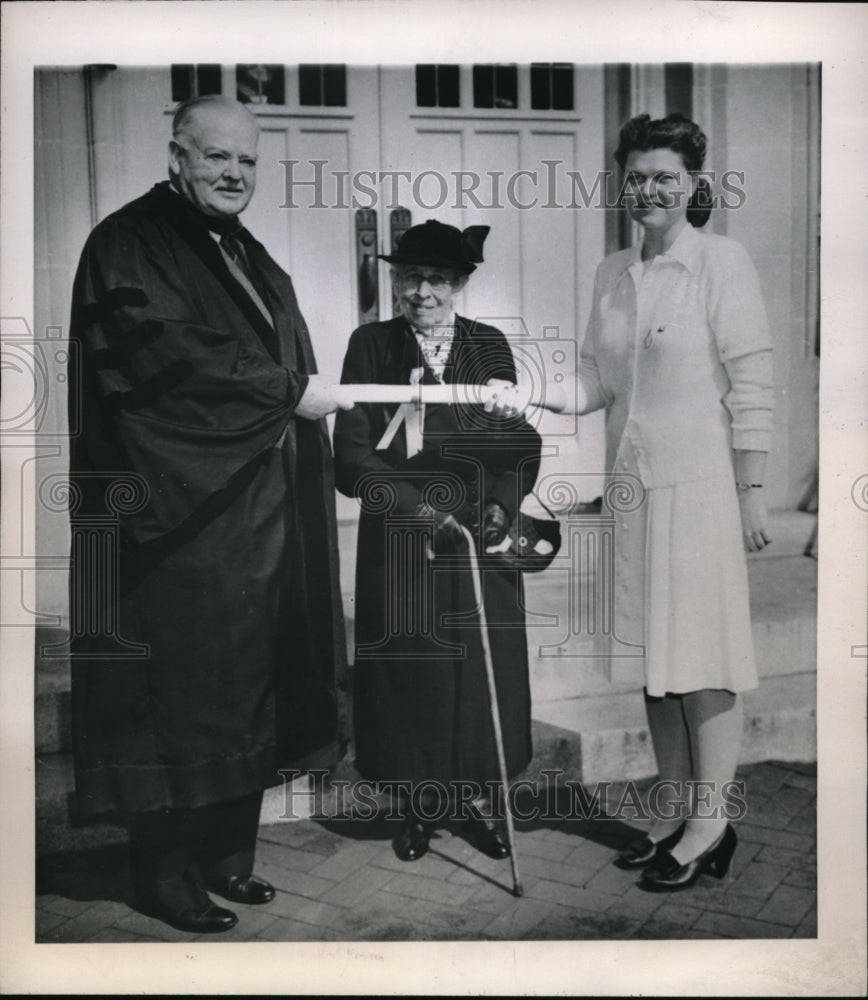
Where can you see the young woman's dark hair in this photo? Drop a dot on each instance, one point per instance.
(679, 134)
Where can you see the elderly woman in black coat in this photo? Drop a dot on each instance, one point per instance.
(422, 717)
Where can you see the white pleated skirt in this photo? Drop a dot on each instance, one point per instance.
(681, 587)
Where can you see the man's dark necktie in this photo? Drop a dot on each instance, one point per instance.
(237, 252)
(235, 249)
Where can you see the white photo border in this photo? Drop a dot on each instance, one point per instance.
(397, 32)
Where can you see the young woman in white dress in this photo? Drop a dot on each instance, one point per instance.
(678, 352)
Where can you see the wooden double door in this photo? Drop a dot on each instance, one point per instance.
(334, 177)
(336, 184)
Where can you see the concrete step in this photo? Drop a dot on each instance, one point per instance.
(562, 666)
(614, 744)
(585, 739)
(588, 725)
(60, 830)
(58, 827)
(568, 663)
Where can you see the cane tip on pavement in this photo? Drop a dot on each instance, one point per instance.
(518, 891)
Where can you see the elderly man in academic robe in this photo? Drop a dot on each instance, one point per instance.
(198, 396)
(422, 719)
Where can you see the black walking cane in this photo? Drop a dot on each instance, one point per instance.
(495, 711)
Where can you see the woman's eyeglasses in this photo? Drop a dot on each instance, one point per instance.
(437, 281)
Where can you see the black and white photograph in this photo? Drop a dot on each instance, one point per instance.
(434, 498)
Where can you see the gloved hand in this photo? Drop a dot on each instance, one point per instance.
(495, 524)
(447, 530)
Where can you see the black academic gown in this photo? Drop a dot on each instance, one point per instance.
(223, 507)
(421, 708)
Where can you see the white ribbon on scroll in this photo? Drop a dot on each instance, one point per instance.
(412, 415)
(413, 398)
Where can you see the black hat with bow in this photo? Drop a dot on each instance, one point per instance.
(434, 244)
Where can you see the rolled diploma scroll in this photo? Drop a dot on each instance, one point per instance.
(459, 392)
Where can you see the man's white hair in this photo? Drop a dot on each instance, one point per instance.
(186, 111)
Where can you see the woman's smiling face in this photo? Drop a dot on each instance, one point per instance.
(657, 188)
(425, 293)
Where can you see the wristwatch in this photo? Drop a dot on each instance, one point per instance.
(744, 487)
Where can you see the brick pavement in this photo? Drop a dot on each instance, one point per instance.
(340, 881)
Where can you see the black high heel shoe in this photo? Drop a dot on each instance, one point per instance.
(665, 874)
(642, 852)
(413, 841)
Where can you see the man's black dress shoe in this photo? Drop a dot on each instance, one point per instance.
(665, 874)
(241, 888)
(486, 836)
(183, 904)
(412, 842)
(643, 851)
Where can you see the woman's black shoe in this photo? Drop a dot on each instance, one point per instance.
(183, 904)
(412, 842)
(643, 851)
(665, 874)
(486, 836)
(242, 888)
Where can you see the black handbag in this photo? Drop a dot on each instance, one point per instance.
(533, 541)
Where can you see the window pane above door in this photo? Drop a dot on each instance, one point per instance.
(260, 84)
(551, 87)
(437, 86)
(322, 85)
(495, 86)
(191, 80)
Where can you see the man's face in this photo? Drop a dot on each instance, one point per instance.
(213, 162)
(425, 293)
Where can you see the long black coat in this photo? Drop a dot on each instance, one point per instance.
(420, 697)
(227, 572)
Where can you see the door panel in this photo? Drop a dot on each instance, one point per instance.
(494, 290)
(549, 272)
(314, 245)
